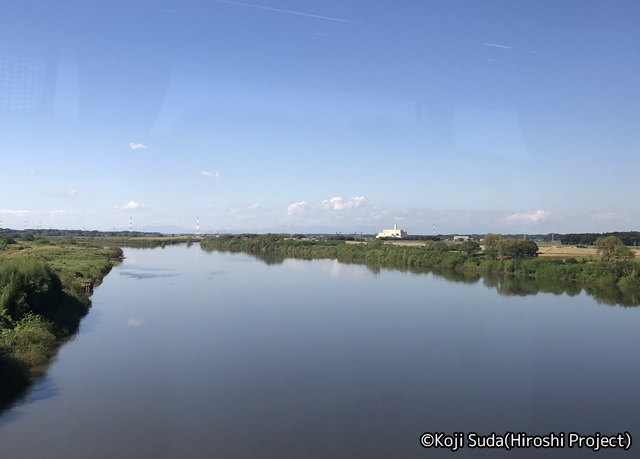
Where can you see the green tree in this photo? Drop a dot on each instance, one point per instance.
(440, 246)
(491, 252)
(491, 240)
(623, 252)
(611, 247)
(375, 242)
(470, 247)
(517, 248)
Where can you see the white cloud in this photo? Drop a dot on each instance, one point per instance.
(244, 208)
(71, 192)
(297, 207)
(16, 213)
(136, 146)
(332, 205)
(337, 203)
(529, 217)
(131, 205)
(210, 174)
(495, 45)
(60, 213)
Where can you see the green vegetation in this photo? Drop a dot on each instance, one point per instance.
(502, 257)
(611, 247)
(627, 237)
(42, 299)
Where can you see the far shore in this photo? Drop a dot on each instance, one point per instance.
(545, 249)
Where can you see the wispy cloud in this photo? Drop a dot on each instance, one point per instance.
(210, 174)
(495, 45)
(60, 213)
(243, 208)
(333, 206)
(16, 213)
(137, 146)
(134, 322)
(71, 192)
(529, 217)
(279, 10)
(297, 207)
(337, 203)
(131, 205)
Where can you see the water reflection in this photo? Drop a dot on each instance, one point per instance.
(135, 275)
(234, 358)
(504, 285)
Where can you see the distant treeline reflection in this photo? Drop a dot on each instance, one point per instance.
(505, 284)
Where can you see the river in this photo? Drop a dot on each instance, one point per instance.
(216, 355)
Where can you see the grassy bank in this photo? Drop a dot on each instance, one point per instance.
(142, 242)
(590, 273)
(42, 300)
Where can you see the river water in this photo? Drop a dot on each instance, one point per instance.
(216, 355)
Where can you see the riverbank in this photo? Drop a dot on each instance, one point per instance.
(44, 293)
(587, 271)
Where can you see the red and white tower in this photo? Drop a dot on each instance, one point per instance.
(197, 226)
(130, 226)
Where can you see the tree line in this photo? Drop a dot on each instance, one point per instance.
(501, 255)
(629, 238)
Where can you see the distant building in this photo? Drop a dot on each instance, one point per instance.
(460, 238)
(395, 232)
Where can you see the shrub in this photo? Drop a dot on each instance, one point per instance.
(31, 342)
(517, 248)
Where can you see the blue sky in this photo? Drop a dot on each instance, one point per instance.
(329, 115)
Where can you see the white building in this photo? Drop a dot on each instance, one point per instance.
(460, 238)
(395, 232)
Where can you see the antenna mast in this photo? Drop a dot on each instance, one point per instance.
(130, 226)
(197, 226)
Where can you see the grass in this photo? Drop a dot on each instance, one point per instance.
(41, 302)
